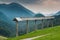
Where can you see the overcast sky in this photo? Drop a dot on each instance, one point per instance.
(43, 6)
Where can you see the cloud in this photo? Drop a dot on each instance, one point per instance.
(31, 1)
(57, 0)
(45, 6)
(24, 1)
(7, 1)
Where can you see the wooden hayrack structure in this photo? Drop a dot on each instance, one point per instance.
(18, 19)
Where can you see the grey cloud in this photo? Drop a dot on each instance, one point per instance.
(5, 0)
(24, 1)
(8, 0)
(57, 0)
(30, 1)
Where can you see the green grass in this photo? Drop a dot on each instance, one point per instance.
(55, 35)
(38, 32)
(3, 38)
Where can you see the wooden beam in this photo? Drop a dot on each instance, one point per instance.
(35, 25)
(39, 18)
(27, 27)
(42, 24)
(52, 22)
(16, 29)
(48, 22)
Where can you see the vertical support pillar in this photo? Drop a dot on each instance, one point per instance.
(42, 24)
(27, 27)
(48, 23)
(35, 25)
(16, 28)
(52, 22)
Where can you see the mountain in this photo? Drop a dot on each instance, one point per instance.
(6, 24)
(13, 10)
(39, 15)
(57, 14)
(39, 21)
(57, 18)
(8, 12)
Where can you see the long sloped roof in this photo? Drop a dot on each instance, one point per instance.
(39, 18)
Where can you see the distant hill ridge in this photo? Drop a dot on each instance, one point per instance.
(39, 15)
(15, 10)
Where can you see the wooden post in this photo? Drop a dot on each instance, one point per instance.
(48, 23)
(35, 26)
(27, 27)
(16, 29)
(42, 24)
(52, 22)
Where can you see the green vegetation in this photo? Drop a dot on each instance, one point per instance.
(52, 30)
(55, 35)
(4, 32)
(3, 38)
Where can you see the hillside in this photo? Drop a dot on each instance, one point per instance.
(13, 10)
(39, 15)
(8, 12)
(53, 30)
(6, 25)
(55, 35)
(57, 18)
